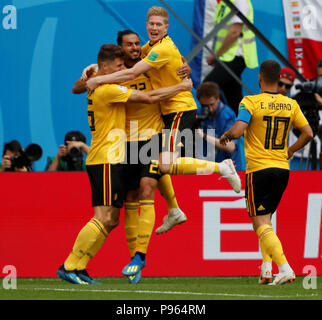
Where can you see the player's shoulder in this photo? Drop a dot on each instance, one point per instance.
(251, 102)
(165, 43)
(103, 89)
(169, 43)
(107, 89)
(285, 100)
(250, 99)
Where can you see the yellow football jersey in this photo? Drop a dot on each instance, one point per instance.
(165, 58)
(106, 118)
(267, 133)
(142, 120)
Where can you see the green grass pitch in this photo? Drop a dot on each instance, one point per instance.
(173, 288)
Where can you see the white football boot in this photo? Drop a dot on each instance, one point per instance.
(265, 277)
(174, 217)
(283, 277)
(228, 171)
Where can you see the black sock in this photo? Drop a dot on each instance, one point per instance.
(141, 255)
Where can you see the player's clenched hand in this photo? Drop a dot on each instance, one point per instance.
(289, 154)
(187, 84)
(88, 71)
(184, 71)
(223, 139)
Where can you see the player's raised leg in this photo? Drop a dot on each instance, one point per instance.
(175, 214)
(192, 166)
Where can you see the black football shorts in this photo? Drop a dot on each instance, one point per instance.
(264, 190)
(142, 161)
(178, 134)
(107, 183)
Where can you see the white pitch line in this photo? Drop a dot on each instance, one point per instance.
(169, 292)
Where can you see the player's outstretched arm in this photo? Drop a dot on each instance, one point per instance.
(119, 76)
(160, 94)
(235, 132)
(168, 92)
(305, 136)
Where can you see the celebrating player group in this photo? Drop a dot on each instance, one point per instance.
(142, 118)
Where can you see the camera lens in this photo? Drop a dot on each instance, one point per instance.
(75, 152)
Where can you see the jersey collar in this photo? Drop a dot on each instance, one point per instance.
(269, 92)
(151, 45)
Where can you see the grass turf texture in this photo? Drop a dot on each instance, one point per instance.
(174, 288)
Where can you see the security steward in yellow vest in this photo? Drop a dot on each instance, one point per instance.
(235, 46)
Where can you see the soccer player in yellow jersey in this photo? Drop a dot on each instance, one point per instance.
(143, 125)
(265, 120)
(161, 59)
(104, 162)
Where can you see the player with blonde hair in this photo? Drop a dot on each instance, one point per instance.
(161, 59)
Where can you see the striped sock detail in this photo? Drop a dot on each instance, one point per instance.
(131, 205)
(99, 226)
(265, 232)
(146, 202)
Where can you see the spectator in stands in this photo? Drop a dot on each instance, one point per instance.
(11, 150)
(286, 81)
(218, 118)
(235, 47)
(70, 156)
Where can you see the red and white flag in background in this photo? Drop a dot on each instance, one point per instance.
(304, 34)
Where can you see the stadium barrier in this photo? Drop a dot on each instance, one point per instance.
(41, 214)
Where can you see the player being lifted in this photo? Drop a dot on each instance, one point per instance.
(144, 176)
(265, 120)
(161, 59)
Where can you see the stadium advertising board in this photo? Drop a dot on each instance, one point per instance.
(41, 214)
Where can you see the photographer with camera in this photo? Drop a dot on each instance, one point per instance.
(16, 159)
(214, 119)
(309, 97)
(70, 156)
(11, 150)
